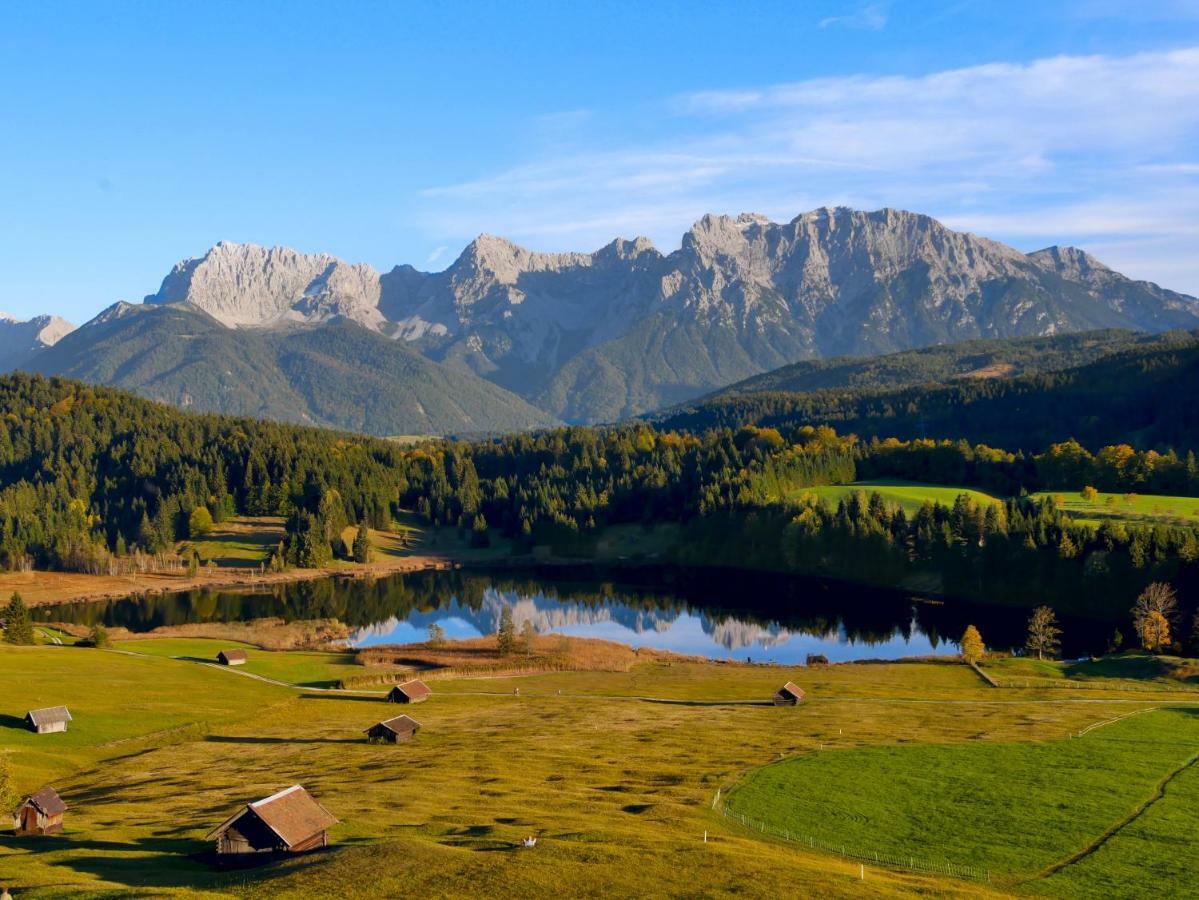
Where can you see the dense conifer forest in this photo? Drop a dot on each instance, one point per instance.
(92, 478)
(1142, 396)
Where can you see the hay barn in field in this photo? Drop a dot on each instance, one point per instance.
(290, 821)
(409, 692)
(231, 657)
(393, 731)
(40, 813)
(48, 720)
(788, 695)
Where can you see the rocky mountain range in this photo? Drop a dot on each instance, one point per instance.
(19, 341)
(598, 336)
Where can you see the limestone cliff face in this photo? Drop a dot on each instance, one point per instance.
(21, 340)
(595, 336)
(247, 285)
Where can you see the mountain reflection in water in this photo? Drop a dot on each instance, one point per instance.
(711, 613)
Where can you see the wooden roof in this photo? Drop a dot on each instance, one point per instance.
(48, 716)
(793, 689)
(47, 800)
(413, 690)
(398, 725)
(233, 654)
(292, 814)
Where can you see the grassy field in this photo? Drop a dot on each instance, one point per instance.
(906, 494)
(1014, 809)
(619, 789)
(1142, 509)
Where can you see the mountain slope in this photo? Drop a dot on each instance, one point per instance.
(984, 358)
(21, 340)
(338, 375)
(600, 336)
(1142, 395)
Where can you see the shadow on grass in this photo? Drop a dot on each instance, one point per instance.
(219, 739)
(7, 721)
(374, 698)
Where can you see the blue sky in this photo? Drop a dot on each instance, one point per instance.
(138, 134)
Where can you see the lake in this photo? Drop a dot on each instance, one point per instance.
(712, 613)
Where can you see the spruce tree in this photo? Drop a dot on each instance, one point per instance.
(505, 637)
(362, 544)
(18, 627)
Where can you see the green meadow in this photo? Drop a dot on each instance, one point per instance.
(617, 773)
(1142, 509)
(908, 495)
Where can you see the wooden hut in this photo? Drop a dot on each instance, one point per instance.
(393, 731)
(290, 821)
(409, 692)
(48, 720)
(231, 657)
(817, 659)
(40, 813)
(788, 695)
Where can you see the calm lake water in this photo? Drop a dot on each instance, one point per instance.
(716, 614)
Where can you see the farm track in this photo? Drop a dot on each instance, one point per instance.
(1097, 844)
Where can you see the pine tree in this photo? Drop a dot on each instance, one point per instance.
(362, 544)
(972, 645)
(18, 627)
(505, 637)
(527, 633)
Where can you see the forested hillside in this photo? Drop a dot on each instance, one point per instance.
(91, 478)
(1142, 396)
(339, 375)
(943, 363)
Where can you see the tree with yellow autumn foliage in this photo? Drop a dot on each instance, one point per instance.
(1155, 632)
(972, 645)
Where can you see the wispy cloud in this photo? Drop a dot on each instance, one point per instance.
(438, 253)
(1062, 149)
(872, 16)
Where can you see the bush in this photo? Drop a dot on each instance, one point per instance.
(199, 523)
(98, 637)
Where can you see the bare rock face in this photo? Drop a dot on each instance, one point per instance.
(596, 336)
(21, 340)
(243, 285)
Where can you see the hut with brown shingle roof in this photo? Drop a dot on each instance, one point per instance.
(48, 720)
(415, 691)
(788, 695)
(393, 731)
(290, 821)
(232, 657)
(40, 813)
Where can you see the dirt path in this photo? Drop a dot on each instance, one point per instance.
(1097, 844)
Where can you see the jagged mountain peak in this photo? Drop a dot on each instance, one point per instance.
(252, 285)
(21, 340)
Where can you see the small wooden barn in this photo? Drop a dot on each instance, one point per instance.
(231, 657)
(788, 695)
(290, 821)
(817, 659)
(415, 691)
(40, 813)
(48, 720)
(393, 731)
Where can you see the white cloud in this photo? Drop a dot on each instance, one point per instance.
(438, 253)
(1067, 149)
(872, 17)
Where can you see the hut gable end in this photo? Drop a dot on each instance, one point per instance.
(415, 691)
(51, 718)
(289, 820)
